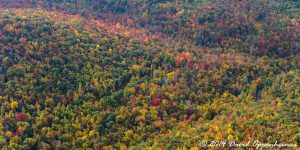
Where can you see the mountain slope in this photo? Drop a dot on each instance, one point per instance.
(73, 82)
(258, 28)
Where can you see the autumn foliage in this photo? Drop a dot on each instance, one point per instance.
(155, 101)
(148, 74)
(21, 117)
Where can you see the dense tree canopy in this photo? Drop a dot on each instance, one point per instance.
(148, 74)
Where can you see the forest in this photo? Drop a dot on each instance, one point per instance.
(148, 74)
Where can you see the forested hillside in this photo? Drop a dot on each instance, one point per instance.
(148, 74)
